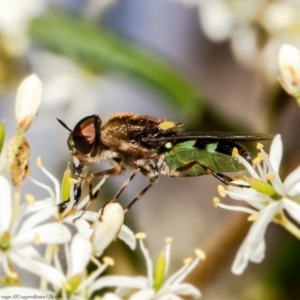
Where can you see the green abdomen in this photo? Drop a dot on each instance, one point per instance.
(207, 154)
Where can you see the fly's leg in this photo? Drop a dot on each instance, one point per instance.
(221, 177)
(106, 173)
(152, 181)
(122, 188)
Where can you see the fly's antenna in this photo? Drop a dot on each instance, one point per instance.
(64, 124)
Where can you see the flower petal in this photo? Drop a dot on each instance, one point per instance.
(275, 154)
(52, 233)
(119, 281)
(292, 208)
(292, 183)
(81, 249)
(145, 294)
(41, 269)
(111, 296)
(5, 204)
(38, 218)
(252, 243)
(127, 236)
(186, 289)
(169, 297)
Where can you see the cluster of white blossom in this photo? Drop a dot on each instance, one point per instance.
(270, 199)
(255, 28)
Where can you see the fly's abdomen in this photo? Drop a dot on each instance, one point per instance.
(215, 155)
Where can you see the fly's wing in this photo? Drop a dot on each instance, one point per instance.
(212, 136)
(216, 155)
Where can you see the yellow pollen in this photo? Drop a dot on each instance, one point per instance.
(216, 201)
(30, 199)
(235, 151)
(73, 181)
(12, 275)
(36, 239)
(201, 254)
(66, 286)
(260, 155)
(169, 240)
(270, 176)
(253, 217)
(55, 248)
(108, 261)
(39, 163)
(259, 146)
(28, 173)
(187, 261)
(256, 161)
(222, 191)
(140, 235)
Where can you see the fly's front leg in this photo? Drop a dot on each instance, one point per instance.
(106, 173)
(221, 177)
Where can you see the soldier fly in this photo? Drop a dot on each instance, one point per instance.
(151, 146)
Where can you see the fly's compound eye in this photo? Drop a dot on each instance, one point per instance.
(84, 134)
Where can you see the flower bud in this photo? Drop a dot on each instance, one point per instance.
(289, 67)
(28, 100)
(107, 229)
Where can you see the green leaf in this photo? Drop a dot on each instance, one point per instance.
(100, 50)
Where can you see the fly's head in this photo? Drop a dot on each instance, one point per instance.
(84, 140)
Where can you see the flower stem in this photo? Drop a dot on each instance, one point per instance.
(287, 224)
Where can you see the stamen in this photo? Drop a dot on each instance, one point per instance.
(109, 261)
(140, 235)
(39, 163)
(66, 286)
(253, 217)
(30, 199)
(216, 202)
(256, 161)
(238, 208)
(169, 240)
(36, 239)
(222, 191)
(259, 146)
(187, 260)
(200, 254)
(12, 275)
(73, 180)
(270, 176)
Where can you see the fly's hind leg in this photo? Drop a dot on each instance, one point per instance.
(221, 177)
(122, 188)
(152, 181)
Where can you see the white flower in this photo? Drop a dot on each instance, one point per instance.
(255, 28)
(154, 285)
(269, 198)
(14, 18)
(78, 256)
(102, 232)
(17, 237)
(28, 100)
(289, 67)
